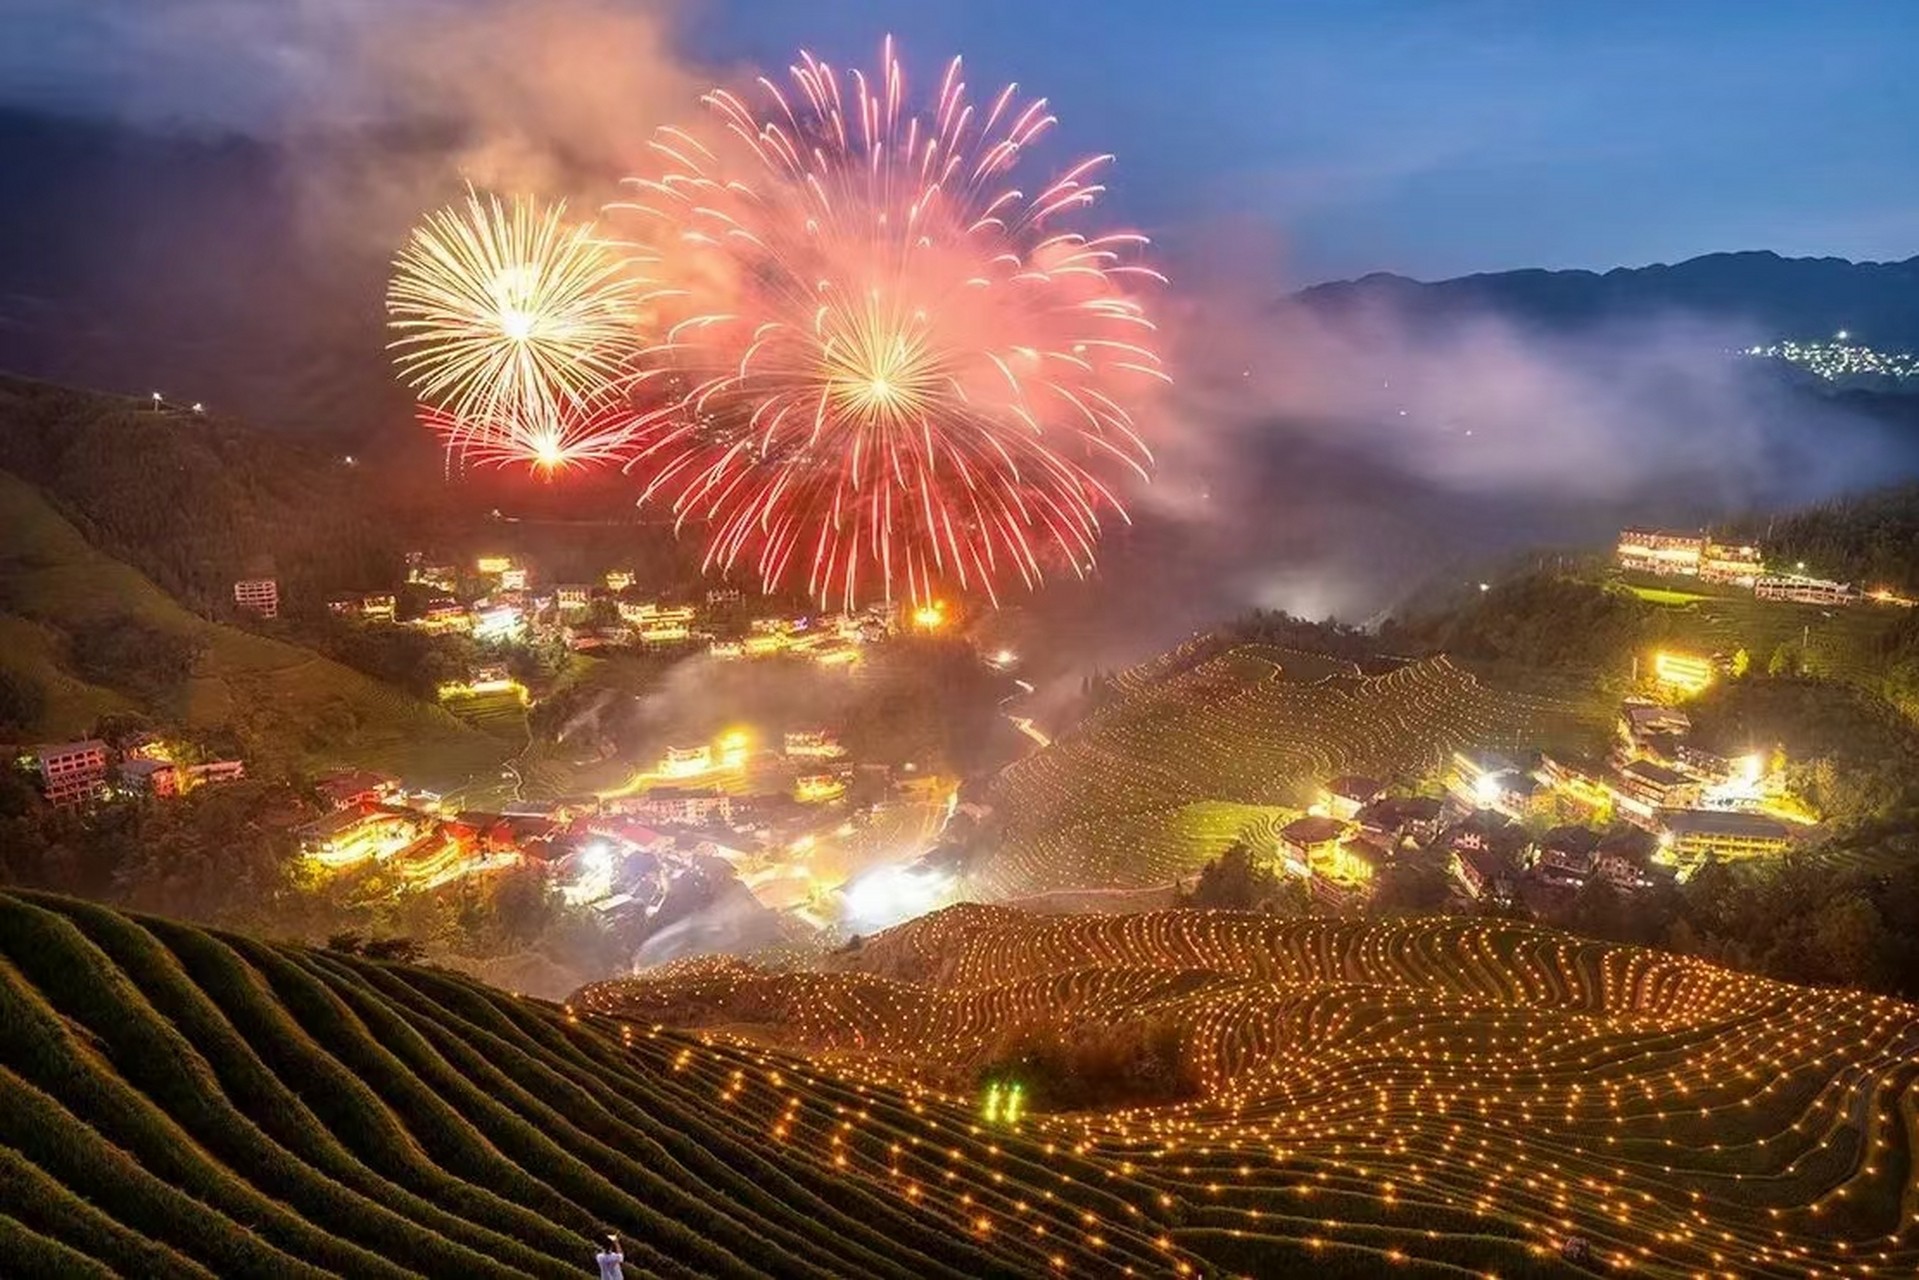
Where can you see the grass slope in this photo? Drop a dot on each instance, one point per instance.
(181, 1103)
(1446, 1096)
(298, 706)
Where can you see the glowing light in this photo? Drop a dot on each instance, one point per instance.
(1684, 672)
(880, 360)
(511, 326)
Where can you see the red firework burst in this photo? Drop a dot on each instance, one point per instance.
(875, 360)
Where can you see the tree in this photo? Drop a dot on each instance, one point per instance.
(22, 700)
(1784, 661)
(1409, 888)
(1849, 940)
(125, 653)
(1741, 663)
(1234, 882)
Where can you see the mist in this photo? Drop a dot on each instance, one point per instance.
(228, 240)
(1336, 465)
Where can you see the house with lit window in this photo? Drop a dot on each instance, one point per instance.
(72, 772)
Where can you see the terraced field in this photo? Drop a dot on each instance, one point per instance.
(1443, 1096)
(499, 713)
(1134, 796)
(178, 1103)
(1841, 643)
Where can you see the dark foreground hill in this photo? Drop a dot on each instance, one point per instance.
(1426, 1097)
(175, 1102)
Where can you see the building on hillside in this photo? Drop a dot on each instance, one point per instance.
(343, 606)
(811, 744)
(1804, 590)
(1737, 564)
(497, 620)
(1564, 855)
(380, 606)
(1484, 829)
(352, 788)
(1357, 861)
(1482, 873)
(157, 778)
(657, 623)
(575, 596)
(1623, 858)
(676, 804)
(1723, 834)
(354, 835)
(72, 772)
(1667, 553)
(681, 762)
(1306, 841)
(1646, 786)
(1576, 778)
(817, 788)
(1639, 721)
(1399, 819)
(1661, 551)
(195, 775)
(1343, 797)
(258, 595)
(1473, 776)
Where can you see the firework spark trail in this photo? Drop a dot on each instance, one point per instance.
(511, 324)
(572, 436)
(871, 356)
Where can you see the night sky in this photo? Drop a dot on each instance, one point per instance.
(1431, 137)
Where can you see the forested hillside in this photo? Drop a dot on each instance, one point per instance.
(195, 501)
(88, 636)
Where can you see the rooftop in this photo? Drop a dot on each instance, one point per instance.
(1312, 830)
(69, 748)
(1354, 786)
(1570, 839)
(1657, 774)
(1719, 822)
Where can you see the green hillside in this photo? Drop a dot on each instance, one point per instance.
(288, 705)
(1153, 785)
(196, 500)
(181, 1103)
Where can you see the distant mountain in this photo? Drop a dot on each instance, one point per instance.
(1758, 296)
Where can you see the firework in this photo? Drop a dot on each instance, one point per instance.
(570, 436)
(875, 362)
(508, 319)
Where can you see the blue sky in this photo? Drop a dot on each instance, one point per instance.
(1445, 136)
(1432, 137)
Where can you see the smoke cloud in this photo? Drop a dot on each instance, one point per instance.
(1323, 464)
(1337, 462)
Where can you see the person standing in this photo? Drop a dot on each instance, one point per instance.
(610, 1259)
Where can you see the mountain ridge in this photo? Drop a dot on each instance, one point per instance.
(1759, 294)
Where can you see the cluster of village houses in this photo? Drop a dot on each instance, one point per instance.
(1648, 813)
